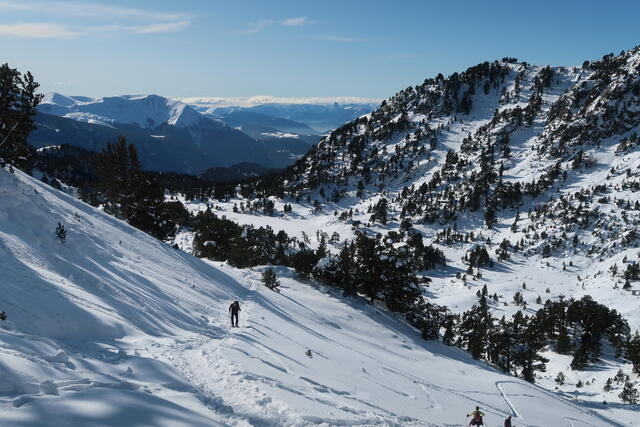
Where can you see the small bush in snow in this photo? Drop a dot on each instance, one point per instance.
(61, 233)
(270, 279)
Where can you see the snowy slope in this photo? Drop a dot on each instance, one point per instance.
(587, 215)
(146, 111)
(115, 328)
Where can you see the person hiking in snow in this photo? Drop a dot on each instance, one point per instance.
(234, 308)
(476, 417)
(507, 422)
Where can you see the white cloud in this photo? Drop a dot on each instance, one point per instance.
(133, 20)
(102, 28)
(42, 30)
(164, 27)
(339, 39)
(295, 22)
(256, 27)
(87, 9)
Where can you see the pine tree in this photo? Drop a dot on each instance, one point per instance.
(321, 251)
(346, 270)
(563, 342)
(501, 341)
(633, 352)
(405, 224)
(61, 233)
(518, 299)
(18, 102)
(532, 342)
(368, 275)
(119, 172)
(380, 212)
(632, 272)
(449, 332)
(270, 279)
(580, 359)
(131, 194)
(303, 262)
(560, 378)
(479, 257)
(475, 328)
(629, 393)
(489, 217)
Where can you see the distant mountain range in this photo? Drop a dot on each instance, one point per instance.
(172, 136)
(321, 114)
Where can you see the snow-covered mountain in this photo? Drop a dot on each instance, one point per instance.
(146, 111)
(321, 114)
(538, 165)
(257, 124)
(113, 327)
(499, 140)
(169, 135)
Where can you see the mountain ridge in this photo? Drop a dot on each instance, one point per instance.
(170, 135)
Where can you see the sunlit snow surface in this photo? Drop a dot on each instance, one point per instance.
(115, 328)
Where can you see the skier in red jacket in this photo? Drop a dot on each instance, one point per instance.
(476, 417)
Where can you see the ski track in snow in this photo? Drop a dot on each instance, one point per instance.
(514, 411)
(201, 347)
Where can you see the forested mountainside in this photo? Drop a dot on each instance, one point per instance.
(499, 138)
(496, 209)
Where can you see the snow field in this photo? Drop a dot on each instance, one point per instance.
(115, 328)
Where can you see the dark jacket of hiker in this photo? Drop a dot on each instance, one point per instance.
(234, 308)
(507, 422)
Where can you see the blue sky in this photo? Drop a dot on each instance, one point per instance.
(294, 48)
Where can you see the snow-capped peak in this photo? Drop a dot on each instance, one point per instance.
(147, 111)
